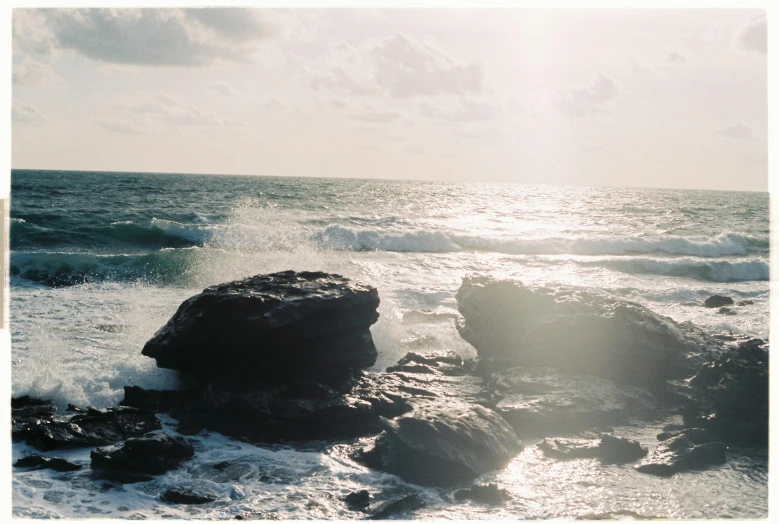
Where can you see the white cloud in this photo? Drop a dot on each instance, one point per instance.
(21, 112)
(463, 110)
(29, 72)
(675, 58)
(223, 88)
(637, 68)
(149, 37)
(736, 131)
(590, 100)
(753, 36)
(399, 66)
(378, 115)
(408, 67)
(118, 125)
(165, 109)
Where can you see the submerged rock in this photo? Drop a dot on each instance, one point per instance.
(486, 494)
(717, 301)
(540, 401)
(578, 332)
(188, 496)
(388, 508)
(442, 444)
(270, 329)
(39, 462)
(152, 455)
(726, 311)
(679, 453)
(608, 449)
(358, 500)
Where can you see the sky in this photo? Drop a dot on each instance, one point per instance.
(657, 98)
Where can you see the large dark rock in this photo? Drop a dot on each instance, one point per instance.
(442, 443)
(306, 410)
(679, 453)
(731, 395)
(270, 329)
(152, 455)
(717, 301)
(578, 332)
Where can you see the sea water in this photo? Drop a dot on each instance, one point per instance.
(143, 242)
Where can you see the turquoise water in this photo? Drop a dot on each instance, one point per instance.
(136, 245)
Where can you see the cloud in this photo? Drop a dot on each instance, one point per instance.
(165, 109)
(594, 99)
(375, 115)
(399, 66)
(675, 58)
(146, 37)
(463, 111)
(408, 67)
(118, 125)
(753, 36)
(223, 88)
(736, 131)
(21, 112)
(29, 72)
(637, 68)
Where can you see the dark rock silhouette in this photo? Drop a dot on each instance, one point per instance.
(731, 395)
(39, 462)
(153, 455)
(717, 301)
(271, 329)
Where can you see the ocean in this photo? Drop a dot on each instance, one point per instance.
(132, 246)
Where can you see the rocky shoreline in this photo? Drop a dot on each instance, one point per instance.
(283, 359)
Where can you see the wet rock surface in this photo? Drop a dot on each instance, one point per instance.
(730, 395)
(39, 462)
(304, 410)
(152, 455)
(384, 510)
(484, 494)
(608, 449)
(578, 332)
(268, 329)
(188, 496)
(358, 500)
(680, 453)
(717, 301)
(540, 401)
(442, 444)
(37, 426)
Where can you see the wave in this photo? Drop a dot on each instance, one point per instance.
(167, 266)
(708, 270)
(426, 241)
(420, 241)
(156, 234)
